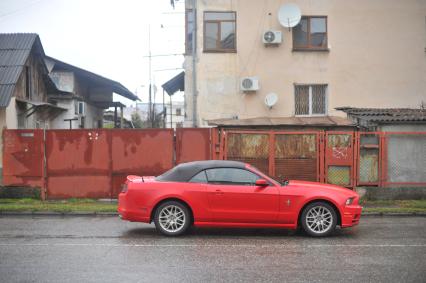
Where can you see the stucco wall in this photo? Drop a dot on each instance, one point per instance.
(93, 114)
(376, 58)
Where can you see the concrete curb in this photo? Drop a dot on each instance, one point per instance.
(419, 214)
(54, 213)
(109, 214)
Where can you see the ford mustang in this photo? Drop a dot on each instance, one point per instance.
(218, 193)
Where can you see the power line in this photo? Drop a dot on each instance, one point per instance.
(20, 9)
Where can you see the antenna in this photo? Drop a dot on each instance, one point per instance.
(271, 99)
(289, 15)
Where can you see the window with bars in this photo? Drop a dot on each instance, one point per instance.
(310, 33)
(219, 31)
(310, 100)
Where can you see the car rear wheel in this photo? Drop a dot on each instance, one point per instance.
(172, 218)
(319, 219)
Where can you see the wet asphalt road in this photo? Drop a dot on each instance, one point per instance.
(106, 249)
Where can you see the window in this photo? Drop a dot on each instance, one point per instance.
(199, 178)
(231, 176)
(310, 100)
(79, 108)
(178, 112)
(310, 34)
(219, 32)
(189, 29)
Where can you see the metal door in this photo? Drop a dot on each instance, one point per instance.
(339, 158)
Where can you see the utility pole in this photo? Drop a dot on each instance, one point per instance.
(150, 111)
(194, 64)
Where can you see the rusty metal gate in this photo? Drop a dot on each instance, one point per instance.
(83, 163)
(193, 144)
(369, 152)
(297, 155)
(339, 158)
(23, 152)
(292, 155)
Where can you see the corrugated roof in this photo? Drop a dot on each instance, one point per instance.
(386, 115)
(17, 40)
(284, 121)
(14, 51)
(116, 86)
(174, 84)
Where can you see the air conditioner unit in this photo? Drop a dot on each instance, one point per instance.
(272, 37)
(249, 84)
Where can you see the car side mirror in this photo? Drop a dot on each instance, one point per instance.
(261, 183)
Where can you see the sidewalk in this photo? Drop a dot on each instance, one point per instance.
(107, 207)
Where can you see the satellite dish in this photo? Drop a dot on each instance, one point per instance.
(271, 99)
(289, 15)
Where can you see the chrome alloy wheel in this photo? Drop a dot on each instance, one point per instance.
(319, 219)
(172, 218)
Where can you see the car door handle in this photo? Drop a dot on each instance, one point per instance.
(218, 192)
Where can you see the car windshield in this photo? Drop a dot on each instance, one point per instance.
(280, 180)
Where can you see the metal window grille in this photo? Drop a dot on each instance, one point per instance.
(311, 99)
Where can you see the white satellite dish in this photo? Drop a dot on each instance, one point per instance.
(289, 15)
(271, 99)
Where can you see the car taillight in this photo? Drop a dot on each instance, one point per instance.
(124, 188)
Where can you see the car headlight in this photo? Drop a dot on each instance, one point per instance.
(350, 200)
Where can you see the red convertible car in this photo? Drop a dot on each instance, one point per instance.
(234, 194)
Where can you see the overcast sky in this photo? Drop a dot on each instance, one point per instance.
(107, 37)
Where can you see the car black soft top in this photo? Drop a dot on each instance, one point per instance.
(185, 171)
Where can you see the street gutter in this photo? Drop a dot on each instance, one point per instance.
(109, 214)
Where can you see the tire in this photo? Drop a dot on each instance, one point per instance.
(172, 218)
(319, 219)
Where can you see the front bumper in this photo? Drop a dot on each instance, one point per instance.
(351, 215)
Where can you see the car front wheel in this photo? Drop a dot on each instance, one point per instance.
(172, 218)
(319, 219)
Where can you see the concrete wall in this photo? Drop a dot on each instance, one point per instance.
(93, 115)
(376, 58)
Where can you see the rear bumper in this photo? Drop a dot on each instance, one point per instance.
(351, 215)
(127, 212)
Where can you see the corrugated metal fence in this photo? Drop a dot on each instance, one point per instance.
(94, 163)
(343, 158)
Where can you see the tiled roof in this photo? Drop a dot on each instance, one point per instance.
(14, 51)
(386, 115)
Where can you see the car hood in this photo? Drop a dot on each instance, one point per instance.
(322, 186)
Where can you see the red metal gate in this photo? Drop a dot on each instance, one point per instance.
(23, 157)
(78, 163)
(339, 158)
(193, 144)
(292, 155)
(147, 152)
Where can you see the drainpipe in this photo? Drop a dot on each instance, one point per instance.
(194, 63)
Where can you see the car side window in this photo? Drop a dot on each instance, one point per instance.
(199, 178)
(231, 176)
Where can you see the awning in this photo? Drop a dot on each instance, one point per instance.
(45, 109)
(108, 104)
(175, 84)
(283, 121)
